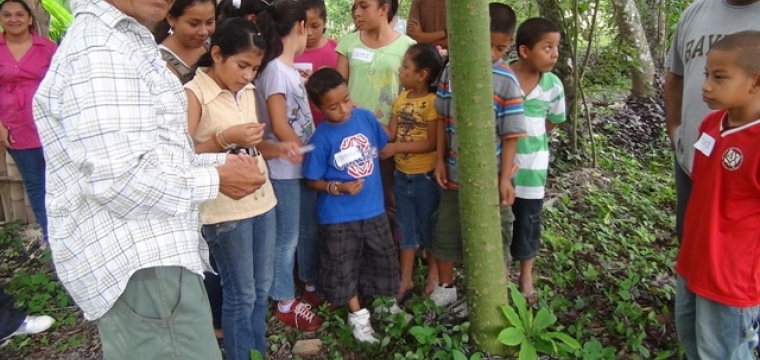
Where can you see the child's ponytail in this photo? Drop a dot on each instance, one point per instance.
(426, 56)
(276, 22)
(233, 36)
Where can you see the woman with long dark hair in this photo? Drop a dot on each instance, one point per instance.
(183, 35)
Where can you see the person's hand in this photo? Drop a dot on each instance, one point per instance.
(672, 135)
(305, 75)
(289, 151)
(412, 27)
(506, 193)
(5, 138)
(240, 176)
(388, 151)
(351, 187)
(244, 135)
(441, 177)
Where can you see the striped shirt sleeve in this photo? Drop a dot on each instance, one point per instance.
(508, 105)
(556, 112)
(443, 96)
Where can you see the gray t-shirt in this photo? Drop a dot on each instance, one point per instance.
(702, 24)
(279, 78)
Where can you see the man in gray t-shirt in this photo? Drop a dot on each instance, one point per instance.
(702, 24)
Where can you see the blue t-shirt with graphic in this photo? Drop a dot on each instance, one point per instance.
(347, 152)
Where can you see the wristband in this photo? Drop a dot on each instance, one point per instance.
(328, 189)
(332, 188)
(221, 142)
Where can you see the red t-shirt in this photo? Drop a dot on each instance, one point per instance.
(317, 59)
(720, 253)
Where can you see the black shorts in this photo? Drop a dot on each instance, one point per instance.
(357, 258)
(526, 236)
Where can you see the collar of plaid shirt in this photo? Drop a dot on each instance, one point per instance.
(123, 181)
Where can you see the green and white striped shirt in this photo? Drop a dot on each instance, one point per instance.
(546, 101)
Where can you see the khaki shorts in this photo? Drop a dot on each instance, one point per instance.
(163, 313)
(447, 236)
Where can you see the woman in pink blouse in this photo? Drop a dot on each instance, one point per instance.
(24, 60)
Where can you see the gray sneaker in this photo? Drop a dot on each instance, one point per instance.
(443, 296)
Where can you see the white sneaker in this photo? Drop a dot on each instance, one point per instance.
(33, 325)
(393, 310)
(362, 329)
(443, 296)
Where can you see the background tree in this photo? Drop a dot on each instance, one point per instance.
(654, 16)
(633, 35)
(483, 262)
(41, 17)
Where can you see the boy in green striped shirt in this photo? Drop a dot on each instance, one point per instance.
(537, 44)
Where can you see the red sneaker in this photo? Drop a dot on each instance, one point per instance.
(300, 317)
(313, 299)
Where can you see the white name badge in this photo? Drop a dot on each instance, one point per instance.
(348, 156)
(303, 66)
(362, 55)
(705, 144)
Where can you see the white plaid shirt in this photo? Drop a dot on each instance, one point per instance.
(123, 181)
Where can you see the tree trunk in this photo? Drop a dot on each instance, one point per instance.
(633, 35)
(564, 69)
(41, 18)
(654, 19)
(551, 10)
(481, 231)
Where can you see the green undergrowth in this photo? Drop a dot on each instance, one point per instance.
(609, 250)
(605, 273)
(28, 276)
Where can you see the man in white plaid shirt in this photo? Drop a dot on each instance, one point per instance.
(124, 185)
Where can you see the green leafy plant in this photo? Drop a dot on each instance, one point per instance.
(530, 333)
(60, 18)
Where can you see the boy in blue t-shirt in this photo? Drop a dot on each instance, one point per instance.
(356, 251)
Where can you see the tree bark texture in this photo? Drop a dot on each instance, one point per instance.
(632, 33)
(551, 10)
(41, 18)
(472, 86)
(654, 16)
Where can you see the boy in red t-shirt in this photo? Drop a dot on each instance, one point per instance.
(718, 266)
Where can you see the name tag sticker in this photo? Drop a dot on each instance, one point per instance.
(302, 66)
(348, 156)
(362, 55)
(705, 144)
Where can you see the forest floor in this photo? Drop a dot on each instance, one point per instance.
(605, 269)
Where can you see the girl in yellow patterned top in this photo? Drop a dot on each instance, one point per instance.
(414, 125)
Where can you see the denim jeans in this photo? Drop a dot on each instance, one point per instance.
(296, 231)
(213, 284)
(244, 253)
(417, 198)
(711, 331)
(683, 193)
(31, 165)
